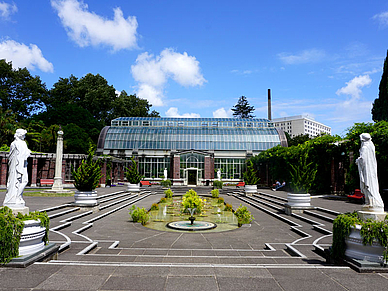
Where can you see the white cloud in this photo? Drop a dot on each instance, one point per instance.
(6, 10)
(173, 112)
(306, 56)
(153, 94)
(87, 28)
(382, 18)
(353, 87)
(152, 73)
(23, 56)
(182, 68)
(222, 113)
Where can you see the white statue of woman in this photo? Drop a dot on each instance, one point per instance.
(219, 175)
(17, 171)
(367, 168)
(165, 174)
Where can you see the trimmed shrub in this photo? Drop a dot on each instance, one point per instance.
(215, 193)
(168, 193)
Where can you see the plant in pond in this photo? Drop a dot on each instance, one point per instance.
(215, 193)
(192, 200)
(221, 221)
(168, 193)
(228, 207)
(244, 216)
(155, 206)
(220, 200)
(139, 215)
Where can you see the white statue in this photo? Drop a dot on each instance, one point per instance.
(17, 171)
(165, 174)
(219, 174)
(367, 168)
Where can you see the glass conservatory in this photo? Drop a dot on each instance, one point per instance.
(190, 149)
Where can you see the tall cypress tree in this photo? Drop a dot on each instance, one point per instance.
(242, 109)
(380, 106)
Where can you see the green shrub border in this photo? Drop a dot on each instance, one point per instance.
(11, 228)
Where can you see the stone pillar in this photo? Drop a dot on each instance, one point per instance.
(34, 173)
(4, 172)
(57, 186)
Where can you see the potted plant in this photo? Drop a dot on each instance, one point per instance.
(86, 179)
(250, 178)
(133, 177)
(302, 177)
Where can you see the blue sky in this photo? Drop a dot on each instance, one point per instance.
(196, 58)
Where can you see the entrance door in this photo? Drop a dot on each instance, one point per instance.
(191, 177)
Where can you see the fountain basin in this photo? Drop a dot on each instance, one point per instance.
(186, 225)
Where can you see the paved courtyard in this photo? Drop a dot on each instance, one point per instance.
(105, 250)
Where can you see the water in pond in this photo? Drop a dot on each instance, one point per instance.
(211, 212)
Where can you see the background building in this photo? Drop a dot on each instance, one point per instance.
(191, 149)
(301, 124)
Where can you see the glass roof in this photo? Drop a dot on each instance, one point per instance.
(192, 135)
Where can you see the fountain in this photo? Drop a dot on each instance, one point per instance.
(185, 225)
(191, 211)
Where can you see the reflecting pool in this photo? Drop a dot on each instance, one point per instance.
(171, 210)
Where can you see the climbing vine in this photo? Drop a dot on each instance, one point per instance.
(371, 231)
(11, 228)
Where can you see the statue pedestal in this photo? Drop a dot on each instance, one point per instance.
(374, 215)
(23, 210)
(355, 249)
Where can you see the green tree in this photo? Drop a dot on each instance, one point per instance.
(20, 92)
(379, 134)
(7, 126)
(380, 105)
(75, 139)
(65, 114)
(91, 92)
(299, 139)
(131, 106)
(242, 109)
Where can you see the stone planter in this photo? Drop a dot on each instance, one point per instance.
(297, 203)
(250, 189)
(86, 198)
(133, 187)
(298, 200)
(31, 239)
(355, 249)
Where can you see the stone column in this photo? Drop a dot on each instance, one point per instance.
(58, 186)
